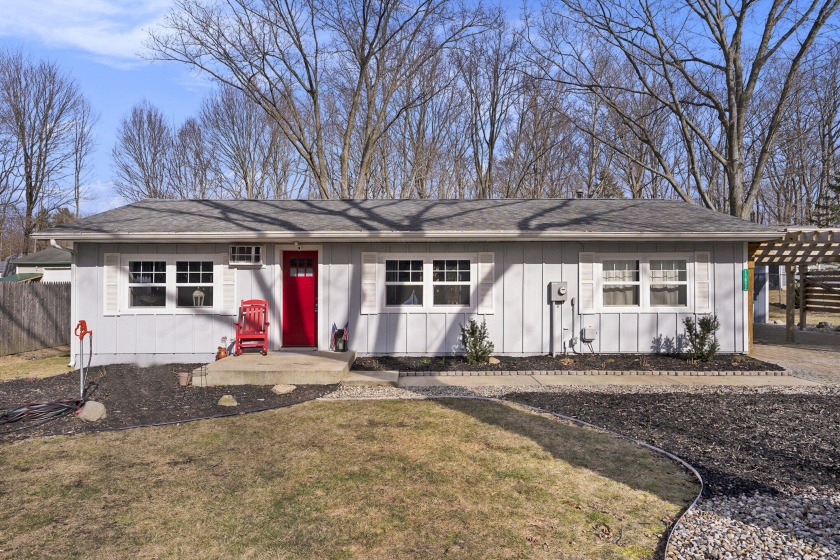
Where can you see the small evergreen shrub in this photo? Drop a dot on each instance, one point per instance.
(701, 337)
(476, 341)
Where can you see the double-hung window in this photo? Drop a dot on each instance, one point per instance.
(668, 282)
(404, 283)
(652, 283)
(175, 283)
(194, 283)
(451, 282)
(147, 283)
(621, 283)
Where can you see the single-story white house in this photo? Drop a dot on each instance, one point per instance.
(162, 280)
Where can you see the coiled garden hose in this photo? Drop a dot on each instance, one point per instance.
(43, 411)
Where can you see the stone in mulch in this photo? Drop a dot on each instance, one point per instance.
(92, 411)
(136, 396)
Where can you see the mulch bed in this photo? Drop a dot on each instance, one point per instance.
(136, 396)
(611, 362)
(741, 442)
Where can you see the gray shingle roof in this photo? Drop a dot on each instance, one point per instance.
(187, 220)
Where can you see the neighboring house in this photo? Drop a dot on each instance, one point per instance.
(50, 265)
(6, 266)
(161, 281)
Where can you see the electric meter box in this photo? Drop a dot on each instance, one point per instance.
(558, 292)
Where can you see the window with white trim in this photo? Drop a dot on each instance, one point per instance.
(169, 284)
(451, 282)
(644, 283)
(427, 283)
(668, 282)
(245, 254)
(194, 283)
(404, 282)
(621, 284)
(146, 283)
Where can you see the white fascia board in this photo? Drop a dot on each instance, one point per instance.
(204, 237)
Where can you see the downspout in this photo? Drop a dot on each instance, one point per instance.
(73, 349)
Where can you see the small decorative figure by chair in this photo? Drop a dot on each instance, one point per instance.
(252, 327)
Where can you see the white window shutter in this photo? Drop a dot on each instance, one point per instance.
(369, 280)
(486, 282)
(702, 282)
(111, 304)
(228, 298)
(586, 283)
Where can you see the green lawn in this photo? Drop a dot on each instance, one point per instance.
(369, 479)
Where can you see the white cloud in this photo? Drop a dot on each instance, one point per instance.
(112, 31)
(100, 196)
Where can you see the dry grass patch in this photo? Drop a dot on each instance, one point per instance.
(38, 364)
(374, 479)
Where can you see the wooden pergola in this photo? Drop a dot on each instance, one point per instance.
(800, 248)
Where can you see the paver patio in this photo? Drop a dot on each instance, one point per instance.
(815, 355)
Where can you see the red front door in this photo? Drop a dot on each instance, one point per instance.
(300, 297)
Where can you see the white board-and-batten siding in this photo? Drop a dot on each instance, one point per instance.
(518, 323)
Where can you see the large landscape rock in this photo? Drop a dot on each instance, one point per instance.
(282, 389)
(228, 400)
(93, 411)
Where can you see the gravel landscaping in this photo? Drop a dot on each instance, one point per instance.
(136, 396)
(577, 362)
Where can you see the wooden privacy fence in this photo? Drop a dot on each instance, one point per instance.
(822, 291)
(33, 316)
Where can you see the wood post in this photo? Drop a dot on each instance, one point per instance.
(803, 273)
(750, 302)
(790, 312)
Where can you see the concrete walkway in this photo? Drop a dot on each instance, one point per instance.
(598, 380)
(815, 355)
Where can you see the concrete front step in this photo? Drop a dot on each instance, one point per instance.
(292, 368)
(372, 378)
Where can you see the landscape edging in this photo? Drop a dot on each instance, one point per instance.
(697, 373)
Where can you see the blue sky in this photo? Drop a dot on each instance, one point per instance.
(99, 42)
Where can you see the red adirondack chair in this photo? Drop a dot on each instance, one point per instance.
(252, 327)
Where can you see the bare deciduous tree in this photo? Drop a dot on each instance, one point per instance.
(251, 155)
(40, 104)
(488, 67)
(296, 58)
(192, 166)
(84, 143)
(698, 62)
(140, 154)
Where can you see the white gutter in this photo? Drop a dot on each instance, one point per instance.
(73, 301)
(487, 235)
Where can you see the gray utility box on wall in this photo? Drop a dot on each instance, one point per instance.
(558, 292)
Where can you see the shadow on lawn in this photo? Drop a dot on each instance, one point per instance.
(581, 447)
(591, 450)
